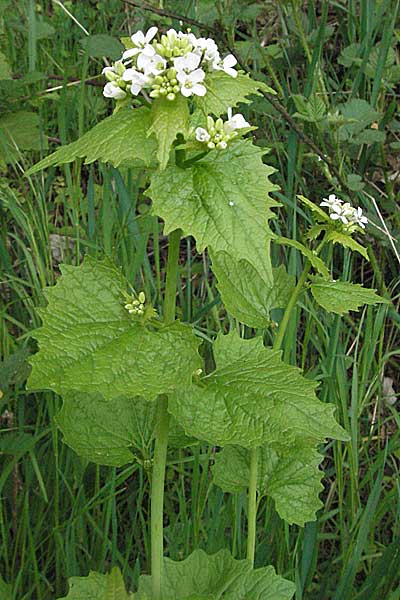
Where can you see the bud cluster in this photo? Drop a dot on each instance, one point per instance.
(175, 63)
(137, 306)
(344, 213)
(219, 133)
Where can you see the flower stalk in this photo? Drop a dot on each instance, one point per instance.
(161, 442)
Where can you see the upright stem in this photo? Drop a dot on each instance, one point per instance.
(161, 442)
(252, 509)
(290, 306)
(254, 456)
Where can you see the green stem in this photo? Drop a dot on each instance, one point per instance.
(290, 306)
(254, 456)
(252, 508)
(161, 442)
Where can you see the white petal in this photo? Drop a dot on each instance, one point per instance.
(186, 91)
(334, 216)
(148, 50)
(129, 53)
(136, 89)
(182, 77)
(150, 34)
(199, 90)
(232, 72)
(229, 61)
(197, 76)
(138, 38)
(128, 74)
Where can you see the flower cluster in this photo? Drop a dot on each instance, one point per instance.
(219, 133)
(344, 212)
(176, 63)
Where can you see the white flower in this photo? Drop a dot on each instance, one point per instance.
(140, 39)
(137, 79)
(235, 122)
(191, 83)
(227, 65)
(202, 135)
(342, 213)
(187, 63)
(142, 43)
(151, 65)
(331, 201)
(358, 218)
(112, 90)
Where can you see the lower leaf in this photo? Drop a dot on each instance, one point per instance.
(290, 476)
(216, 577)
(98, 587)
(246, 294)
(111, 432)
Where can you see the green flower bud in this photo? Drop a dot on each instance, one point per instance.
(163, 91)
(110, 76)
(210, 123)
(174, 81)
(142, 297)
(171, 96)
(159, 48)
(154, 94)
(219, 125)
(158, 80)
(211, 145)
(171, 74)
(176, 89)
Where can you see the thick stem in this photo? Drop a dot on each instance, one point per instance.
(252, 509)
(161, 442)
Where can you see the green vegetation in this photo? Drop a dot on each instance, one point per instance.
(330, 128)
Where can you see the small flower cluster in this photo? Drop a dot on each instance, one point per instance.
(136, 306)
(219, 133)
(344, 212)
(177, 63)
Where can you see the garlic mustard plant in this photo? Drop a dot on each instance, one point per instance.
(177, 120)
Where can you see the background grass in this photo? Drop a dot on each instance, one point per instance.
(60, 516)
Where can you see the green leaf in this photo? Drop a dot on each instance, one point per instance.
(100, 45)
(246, 296)
(115, 587)
(253, 398)
(369, 136)
(320, 214)
(111, 432)
(97, 586)
(89, 342)
(337, 237)
(224, 91)
(223, 201)
(310, 109)
(5, 70)
(291, 477)
(340, 296)
(359, 115)
(121, 138)
(5, 590)
(20, 131)
(354, 182)
(217, 577)
(316, 262)
(167, 119)
(86, 588)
